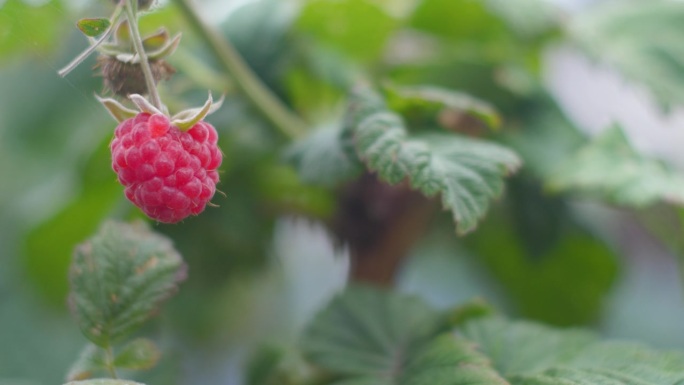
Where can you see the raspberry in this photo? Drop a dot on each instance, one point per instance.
(168, 173)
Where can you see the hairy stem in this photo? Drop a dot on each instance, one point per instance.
(246, 80)
(131, 8)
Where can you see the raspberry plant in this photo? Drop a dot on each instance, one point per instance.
(402, 128)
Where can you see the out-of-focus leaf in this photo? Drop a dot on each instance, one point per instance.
(528, 353)
(259, 31)
(484, 20)
(93, 27)
(458, 20)
(119, 279)
(359, 28)
(611, 168)
(368, 336)
(640, 39)
(91, 361)
(565, 284)
(272, 365)
(281, 187)
(366, 330)
(435, 102)
(466, 172)
(544, 139)
(321, 158)
(139, 354)
(24, 27)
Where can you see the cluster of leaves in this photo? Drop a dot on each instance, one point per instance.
(368, 336)
(456, 144)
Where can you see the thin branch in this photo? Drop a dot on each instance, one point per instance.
(140, 51)
(246, 80)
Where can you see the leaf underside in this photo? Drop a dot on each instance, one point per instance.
(468, 173)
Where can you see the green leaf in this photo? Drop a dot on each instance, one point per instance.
(368, 336)
(528, 353)
(139, 354)
(467, 172)
(611, 168)
(565, 284)
(321, 158)
(93, 27)
(527, 17)
(91, 361)
(358, 28)
(431, 102)
(368, 331)
(641, 39)
(119, 278)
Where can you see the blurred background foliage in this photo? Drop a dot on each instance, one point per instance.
(261, 262)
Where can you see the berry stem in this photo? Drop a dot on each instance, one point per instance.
(113, 22)
(131, 9)
(245, 79)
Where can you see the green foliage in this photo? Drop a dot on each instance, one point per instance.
(365, 332)
(139, 354)
(48, 247)
(91, 360)
(565, 284)
(321, 158)
(119, 278)
(369, 336)
(530, 252)
(24, 27)
(612, 169)
(639, 39)
(359, 28)
(529, 353)
(467, 172)
(361, 337)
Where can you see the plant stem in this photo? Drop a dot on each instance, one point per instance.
(110, 362)
(113, 22)
(246, 80)
(142, 56)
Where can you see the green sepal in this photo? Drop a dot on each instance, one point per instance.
(116, 109)
(184, 120)
(93, 27)
(156, 40)
(165, 50)
(144, 105)
(123, 33)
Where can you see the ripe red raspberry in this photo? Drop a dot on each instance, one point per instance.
(168, 173)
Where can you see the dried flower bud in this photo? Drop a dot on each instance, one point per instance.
(124, 78)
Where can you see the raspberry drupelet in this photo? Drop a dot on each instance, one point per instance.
(170, 174)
